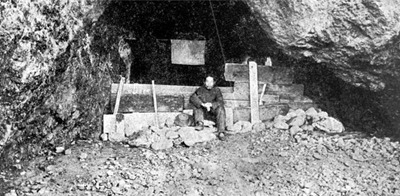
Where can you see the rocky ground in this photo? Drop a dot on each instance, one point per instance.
(264, 162)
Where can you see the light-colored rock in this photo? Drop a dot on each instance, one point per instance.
(281, 125)
(68, 152)
(298, 120)
(281, 118)
(330, 125)
(83, 156)
(11, 193)
(294, 130)
(242, 127)
(311, 112)
(323, 114)
(295, 113)
(257, 127)
(190, 136)
(104, 136)
(172, 134)
(60, 149)
(208, 123)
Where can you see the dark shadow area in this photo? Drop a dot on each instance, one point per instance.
(154, 23)
(358, 109)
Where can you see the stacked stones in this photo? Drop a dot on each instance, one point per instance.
(299, 120)
(170, 135)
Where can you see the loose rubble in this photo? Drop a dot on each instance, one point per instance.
(263, 161)
(308, 121)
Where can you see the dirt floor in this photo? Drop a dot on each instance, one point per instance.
(270, 162)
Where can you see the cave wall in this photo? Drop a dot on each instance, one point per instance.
(359, 40)
(56, 67)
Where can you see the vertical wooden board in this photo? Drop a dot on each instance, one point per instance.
(254, 112)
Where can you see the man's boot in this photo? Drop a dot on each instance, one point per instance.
(221, 136)
(199, 126)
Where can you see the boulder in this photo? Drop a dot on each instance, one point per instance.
(281, 125)
(242, 127)
(295, 113)
(281, 118)
(358, 40)
(311, 112)
(330, 125)
(298, 120)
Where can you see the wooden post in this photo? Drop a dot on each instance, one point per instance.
(253, 78)
(262, 93)
(119, 93)
(155, 104)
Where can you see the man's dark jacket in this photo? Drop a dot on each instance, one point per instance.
(203, 95)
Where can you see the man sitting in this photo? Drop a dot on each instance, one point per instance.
(208, 100)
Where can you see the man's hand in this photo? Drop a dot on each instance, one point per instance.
(207, 105)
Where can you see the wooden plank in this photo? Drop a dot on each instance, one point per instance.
(240, 73)
(267, 112)
(119, 93)
(155, 103)
(255, 113)
(262, 94)
(163, 89)
(242, 88)
(144, 103)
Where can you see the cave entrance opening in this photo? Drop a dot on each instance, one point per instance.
(155, 23)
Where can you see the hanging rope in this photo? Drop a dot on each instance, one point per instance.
(216, 27)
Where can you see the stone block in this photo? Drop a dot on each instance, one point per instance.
(134, 122)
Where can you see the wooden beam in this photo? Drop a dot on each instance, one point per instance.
(163, 89)
(262, 94)
(254, 113)
(119, 93)
(240, 73)
(155, 104)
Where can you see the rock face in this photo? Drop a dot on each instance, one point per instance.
(357, 39)
(53, 74)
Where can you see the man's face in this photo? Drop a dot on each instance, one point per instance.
(209, 82)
